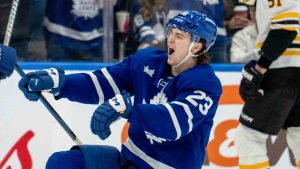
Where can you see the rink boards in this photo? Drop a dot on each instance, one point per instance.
(29, 134)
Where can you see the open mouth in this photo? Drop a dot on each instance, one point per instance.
(170, 51)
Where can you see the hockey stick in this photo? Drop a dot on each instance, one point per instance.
(7, 37)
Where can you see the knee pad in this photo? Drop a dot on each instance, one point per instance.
(293, 141)
(251, 147)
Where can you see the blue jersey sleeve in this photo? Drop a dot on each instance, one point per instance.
(194, 105)
(98, 86)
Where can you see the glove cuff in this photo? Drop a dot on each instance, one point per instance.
(122, 104)
(264, 61)
(53, 73)
(128, 103)
(58, 77)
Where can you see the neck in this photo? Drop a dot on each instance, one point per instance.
(179, 69)
(186, 63)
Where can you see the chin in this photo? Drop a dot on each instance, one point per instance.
(169, 61)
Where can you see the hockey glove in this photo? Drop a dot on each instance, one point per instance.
(250, 82)
(7, 61)
(50, 80)
(110, 111)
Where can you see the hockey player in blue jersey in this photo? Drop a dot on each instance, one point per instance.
(8, 58)
(176, 94)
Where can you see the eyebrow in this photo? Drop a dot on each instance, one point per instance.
(181, 33)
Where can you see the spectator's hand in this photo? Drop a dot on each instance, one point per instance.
(50, 80)
(238, 22)
(250, 83)
(108, 112)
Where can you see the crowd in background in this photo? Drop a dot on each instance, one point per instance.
(72, 30)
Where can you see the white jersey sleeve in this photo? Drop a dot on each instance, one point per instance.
(279, 14)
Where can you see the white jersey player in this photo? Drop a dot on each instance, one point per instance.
(270, 86)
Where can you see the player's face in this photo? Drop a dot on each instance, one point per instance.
(178, 45)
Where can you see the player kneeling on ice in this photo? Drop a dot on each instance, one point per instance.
(176, 94)
(8, 58)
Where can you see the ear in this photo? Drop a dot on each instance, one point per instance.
(196, 47)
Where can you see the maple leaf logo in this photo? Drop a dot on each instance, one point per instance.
(86, 8)
(159, 98)
(152, 138)
(210, 2)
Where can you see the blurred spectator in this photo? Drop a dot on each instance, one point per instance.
(243, 45)
(214, 9)
(36, 44)
(148, 19)
(27, 28)
(243, 42)
(236, 17)
(74, 30)
(21, 31)
(36, 15)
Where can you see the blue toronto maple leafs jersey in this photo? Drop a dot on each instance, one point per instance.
(172, 116)
(74, 24)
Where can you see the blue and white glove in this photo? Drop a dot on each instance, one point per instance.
(110, 111)
(7, 61)
(50, 80)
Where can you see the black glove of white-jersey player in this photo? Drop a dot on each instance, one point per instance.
(250, 83)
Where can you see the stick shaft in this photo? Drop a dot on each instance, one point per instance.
(8, 33)
(11, 21)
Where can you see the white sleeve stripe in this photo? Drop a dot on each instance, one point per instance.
(142, 155)
(145, 28)
(149, 32)
(72, 33)
(188, 113)
(110, 81)
(98, 87)
(174, 120)
(286, 26)
(284, 20)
